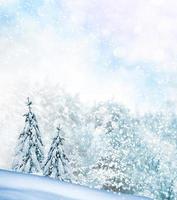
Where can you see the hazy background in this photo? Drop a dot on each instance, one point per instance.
(101, 49)
(124, 50)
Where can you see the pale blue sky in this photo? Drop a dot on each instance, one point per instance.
(121, 49)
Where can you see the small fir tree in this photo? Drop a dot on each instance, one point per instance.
(56, 165)
(29, 154)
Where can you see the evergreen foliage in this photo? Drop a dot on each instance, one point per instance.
(29, 154)
(56, 165)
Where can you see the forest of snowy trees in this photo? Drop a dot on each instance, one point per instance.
(103, 146)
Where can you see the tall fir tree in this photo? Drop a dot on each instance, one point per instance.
(29, 154)
(57, 163)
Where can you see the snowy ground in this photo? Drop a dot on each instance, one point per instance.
(17, 186)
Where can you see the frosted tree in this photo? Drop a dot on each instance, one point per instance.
(29, 154)
(111, 173)
(166, 189)
(57, 164)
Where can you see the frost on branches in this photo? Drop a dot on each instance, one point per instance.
(29, 154)
(56, 165)
(108, 146)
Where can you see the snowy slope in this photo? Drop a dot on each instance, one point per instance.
(17, 186)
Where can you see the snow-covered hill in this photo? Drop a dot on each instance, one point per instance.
(17, 186)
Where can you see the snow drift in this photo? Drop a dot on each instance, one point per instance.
(18, 186)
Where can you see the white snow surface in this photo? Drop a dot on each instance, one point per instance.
(18, 186)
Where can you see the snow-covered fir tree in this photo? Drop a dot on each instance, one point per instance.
(57, 163)
(107, 146)
(112, 174)
(166, 189)
(29, 154)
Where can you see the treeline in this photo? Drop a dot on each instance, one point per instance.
(105, 146)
